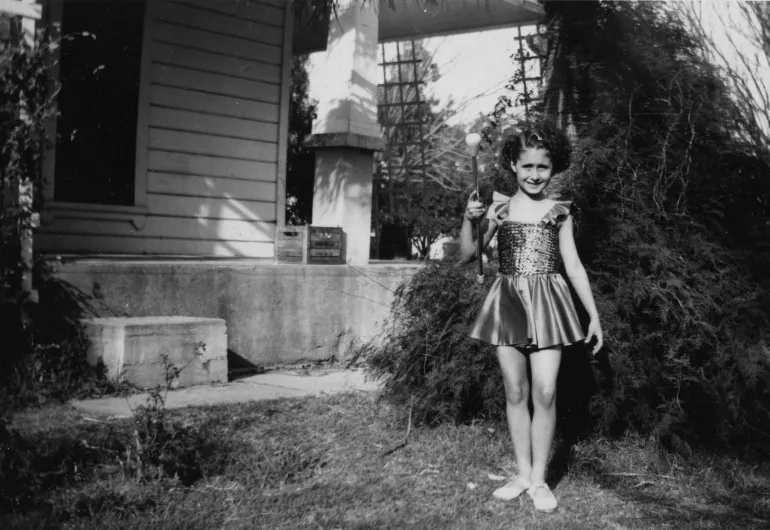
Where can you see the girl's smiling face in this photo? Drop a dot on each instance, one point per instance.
(533, 171)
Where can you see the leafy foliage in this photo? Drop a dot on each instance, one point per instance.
(423, 177)
(430, 363)
(26, 106)
(669, 232)
(300, 162)
(157, 446)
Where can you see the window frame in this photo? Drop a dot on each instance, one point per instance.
(136, 214)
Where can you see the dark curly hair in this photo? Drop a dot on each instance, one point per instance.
(547, 136)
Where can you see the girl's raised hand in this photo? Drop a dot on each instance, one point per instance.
(474, 209)
(595, 330)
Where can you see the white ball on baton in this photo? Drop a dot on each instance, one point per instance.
(472, 143)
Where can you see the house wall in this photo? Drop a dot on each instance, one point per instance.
(212, 133)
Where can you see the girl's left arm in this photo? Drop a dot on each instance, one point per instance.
(579, 278)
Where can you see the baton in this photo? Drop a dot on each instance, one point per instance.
(472, 142)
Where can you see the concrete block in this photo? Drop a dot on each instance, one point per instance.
(133, 348)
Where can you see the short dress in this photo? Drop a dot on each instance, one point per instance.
(529, 304)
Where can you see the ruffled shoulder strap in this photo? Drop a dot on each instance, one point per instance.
(559, 212)
(498, 211)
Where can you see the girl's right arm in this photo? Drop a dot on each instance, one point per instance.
(473, 211)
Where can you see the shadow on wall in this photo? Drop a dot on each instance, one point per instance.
(227, 238)
(44, 359)
(54, 320)
(228, 225)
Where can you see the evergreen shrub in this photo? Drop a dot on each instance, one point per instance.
(673, 228)
(429, 363)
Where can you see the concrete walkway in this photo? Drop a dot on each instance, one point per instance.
(271, 385)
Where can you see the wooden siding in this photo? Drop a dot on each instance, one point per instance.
(223, 85)
(194, 186)
(170, 227)
(212, 62)
(224, 126)
(265, 11)
(213, 104)
(208, 166)
(212, 121)
(111, 244)
(209, 144)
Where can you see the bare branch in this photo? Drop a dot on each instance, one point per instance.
(743, 59)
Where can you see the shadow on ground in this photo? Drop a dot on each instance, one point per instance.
(582, 379)
(670, 505)
(239, 367)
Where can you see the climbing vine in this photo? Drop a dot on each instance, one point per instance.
(27, 104)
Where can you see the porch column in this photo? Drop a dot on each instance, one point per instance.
(346, 132)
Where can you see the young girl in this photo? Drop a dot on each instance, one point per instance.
(529, 314)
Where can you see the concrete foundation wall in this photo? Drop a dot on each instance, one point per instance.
(274, 313)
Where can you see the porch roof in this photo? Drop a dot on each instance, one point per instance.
(406, 19)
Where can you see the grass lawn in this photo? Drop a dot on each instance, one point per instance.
(321, 463)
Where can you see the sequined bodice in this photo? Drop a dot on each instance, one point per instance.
(527, 249)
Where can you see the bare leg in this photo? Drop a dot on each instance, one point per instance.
(513, 365)
(545, 369)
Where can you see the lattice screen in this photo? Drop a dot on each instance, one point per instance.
(403, 112)
(530, 57)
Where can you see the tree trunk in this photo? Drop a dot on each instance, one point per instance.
(566, 22)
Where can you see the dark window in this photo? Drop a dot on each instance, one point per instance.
(98, 102)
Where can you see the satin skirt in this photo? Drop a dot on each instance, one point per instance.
(530, 312)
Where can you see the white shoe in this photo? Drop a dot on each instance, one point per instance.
(515, 487)
(542, 498)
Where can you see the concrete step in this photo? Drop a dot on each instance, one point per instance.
(133, 348)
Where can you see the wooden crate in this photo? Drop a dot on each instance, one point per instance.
(325, 245)
(291, 244)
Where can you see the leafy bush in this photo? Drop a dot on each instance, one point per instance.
(25, 110)
(26, 107)
(673, 228)
(158, 446)
(430, 363)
